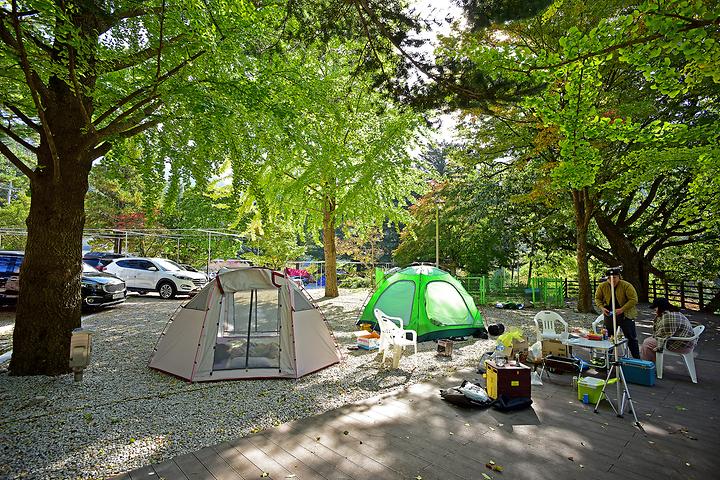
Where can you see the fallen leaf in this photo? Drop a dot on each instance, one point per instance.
(582, 466)
(451, 433)
(317, 439)
(651, 442)
(680, 408)
(571, 459)
(687, 463)
(292, 475)
(345, 432)
(486, 476)
(265, 474)
(418, 477)
(491, 428)
(467, 424)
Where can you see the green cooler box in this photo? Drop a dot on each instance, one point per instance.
(641, 372)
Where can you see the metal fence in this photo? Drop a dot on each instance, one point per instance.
(541, 291)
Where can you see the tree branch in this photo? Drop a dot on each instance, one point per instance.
(143, 55)
(5, 150)
(34, 83)
(142, 90)
(645, 204)
(8, 131)
(23, 117)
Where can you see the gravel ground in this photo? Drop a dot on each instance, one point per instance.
(124, 415)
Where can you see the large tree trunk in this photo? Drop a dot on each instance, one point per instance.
(329, 249)
(49, 305)
(582, 206)
(636, 268)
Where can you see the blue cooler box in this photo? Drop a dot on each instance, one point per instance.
(641, 372)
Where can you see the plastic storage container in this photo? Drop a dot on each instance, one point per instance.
(640, 372)
(592, 387)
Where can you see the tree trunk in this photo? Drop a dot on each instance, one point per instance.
(49, 305)
(636, 268)
(329, 248)
(582, 206)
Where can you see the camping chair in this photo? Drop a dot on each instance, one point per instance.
(688, 357)
(548, 332)
(394, 337)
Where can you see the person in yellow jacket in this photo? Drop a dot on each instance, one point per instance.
(625, 300)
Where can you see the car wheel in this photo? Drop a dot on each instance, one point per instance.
(166, 290)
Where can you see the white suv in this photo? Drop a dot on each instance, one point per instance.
(166, 277)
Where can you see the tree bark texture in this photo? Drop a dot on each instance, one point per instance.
(582, 206)
(49, 304)
(636, 268)
(329, 248)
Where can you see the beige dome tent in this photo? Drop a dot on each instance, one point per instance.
(246, 323)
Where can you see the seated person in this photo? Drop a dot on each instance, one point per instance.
(669, 322)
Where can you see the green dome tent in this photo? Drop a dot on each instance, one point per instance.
(429, 300)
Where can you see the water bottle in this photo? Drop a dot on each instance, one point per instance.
(500, 354)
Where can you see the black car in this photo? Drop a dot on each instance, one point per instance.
(101, 289)
(10, 262)
(100, 260)
(98, 289)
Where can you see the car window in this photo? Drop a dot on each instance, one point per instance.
(10, 264)
(124, 263)
(143, 264)
(168, 265)
(88, 268)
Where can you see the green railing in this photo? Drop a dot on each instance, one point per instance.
(541, 291)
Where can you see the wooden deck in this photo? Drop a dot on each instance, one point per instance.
(415, 435)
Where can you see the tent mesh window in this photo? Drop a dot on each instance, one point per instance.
(445, 305)
(249, 336)
(397, 300)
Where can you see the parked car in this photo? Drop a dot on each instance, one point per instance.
(98, 289)
(101, 289)
(166, 277)
(10, 262)
(100, 260)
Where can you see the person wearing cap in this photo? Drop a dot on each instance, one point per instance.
(625, 311)
(669, 322)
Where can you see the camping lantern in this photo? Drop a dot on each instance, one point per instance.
(80, 349)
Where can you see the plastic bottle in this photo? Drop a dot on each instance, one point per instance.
(500, 354)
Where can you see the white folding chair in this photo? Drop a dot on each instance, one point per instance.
(547, 319)
(393, 336)
(688, 357)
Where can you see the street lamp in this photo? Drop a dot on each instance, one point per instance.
(438, 204)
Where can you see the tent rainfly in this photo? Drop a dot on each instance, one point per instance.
(246, 323)
(429, 300)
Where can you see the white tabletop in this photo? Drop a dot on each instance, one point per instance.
(584, 342)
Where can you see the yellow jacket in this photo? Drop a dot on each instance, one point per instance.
(625, 297)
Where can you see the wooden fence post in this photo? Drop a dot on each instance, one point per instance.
(701, 299)
(594, 285)
(667, 289)
(682, 293)
(654, 288)
(565, 288)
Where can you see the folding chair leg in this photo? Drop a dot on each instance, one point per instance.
(690, 364)
(659, 364)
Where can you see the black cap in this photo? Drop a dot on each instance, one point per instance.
(662, 303)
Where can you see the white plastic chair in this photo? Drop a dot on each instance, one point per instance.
(394, 337)
(548, 319)
(688, 357)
